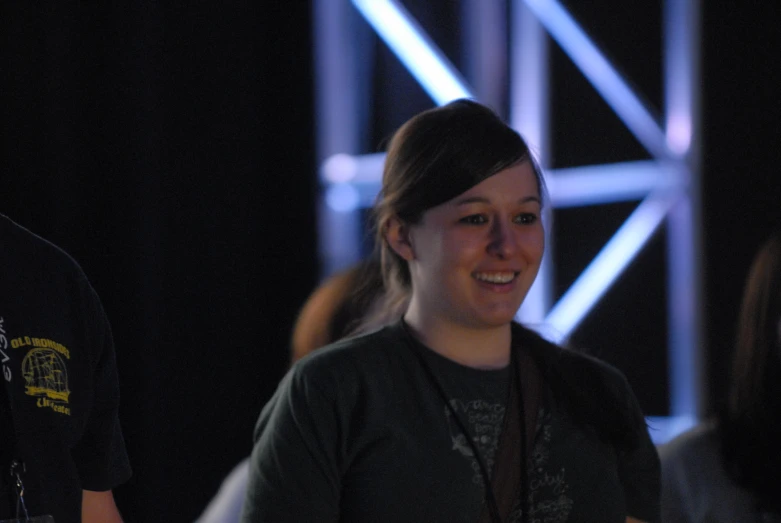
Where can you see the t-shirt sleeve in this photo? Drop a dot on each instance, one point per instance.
(295, 466)
(100, 455)
(639, 470)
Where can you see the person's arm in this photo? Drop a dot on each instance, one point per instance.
(640, 472)
(227, 502)
(294, 470)
(99, 507)
(99, 454)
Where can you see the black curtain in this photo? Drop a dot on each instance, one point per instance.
(741, 177)
(169, 148)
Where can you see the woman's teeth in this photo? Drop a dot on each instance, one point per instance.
(495, 277)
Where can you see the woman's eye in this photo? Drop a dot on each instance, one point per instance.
(474, 219)
(526, 218)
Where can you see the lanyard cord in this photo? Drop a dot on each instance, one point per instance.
(493, 506)
(522, 423)
(14, 469)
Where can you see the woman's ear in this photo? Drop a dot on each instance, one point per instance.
(397, 234)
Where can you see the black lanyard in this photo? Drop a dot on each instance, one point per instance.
(12, 468)
(493, 506)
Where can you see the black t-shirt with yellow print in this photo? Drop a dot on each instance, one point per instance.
(59, 377)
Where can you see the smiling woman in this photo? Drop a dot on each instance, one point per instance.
(471, 261)
(454, 412)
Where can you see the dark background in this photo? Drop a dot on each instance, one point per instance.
(170, 149)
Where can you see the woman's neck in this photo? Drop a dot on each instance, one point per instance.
(487, 348)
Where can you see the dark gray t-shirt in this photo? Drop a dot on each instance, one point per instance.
(357, 432)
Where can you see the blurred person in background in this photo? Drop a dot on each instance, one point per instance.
(345, 304)
(729, 469)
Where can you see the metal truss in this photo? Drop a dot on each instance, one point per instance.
(667, 186)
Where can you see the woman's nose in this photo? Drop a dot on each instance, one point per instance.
(503, 240)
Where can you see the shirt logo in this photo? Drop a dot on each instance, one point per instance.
(45, 372)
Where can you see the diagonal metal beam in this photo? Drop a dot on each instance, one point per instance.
(603, 76)
(608, 265)
(415, 49)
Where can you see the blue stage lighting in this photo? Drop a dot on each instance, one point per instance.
(416, 51)
(593, 282)
(342, 197)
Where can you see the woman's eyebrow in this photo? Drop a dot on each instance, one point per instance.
(480, 199)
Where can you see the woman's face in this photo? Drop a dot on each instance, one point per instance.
(473, 259)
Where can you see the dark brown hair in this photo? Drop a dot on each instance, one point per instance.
(751, 421)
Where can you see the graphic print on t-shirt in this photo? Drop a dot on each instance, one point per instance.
(45, 372)
(484, 422)
(5, 359)
(548, 493)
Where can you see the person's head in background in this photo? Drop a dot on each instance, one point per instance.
(751, 421)
(434, 158)
(337, 308)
